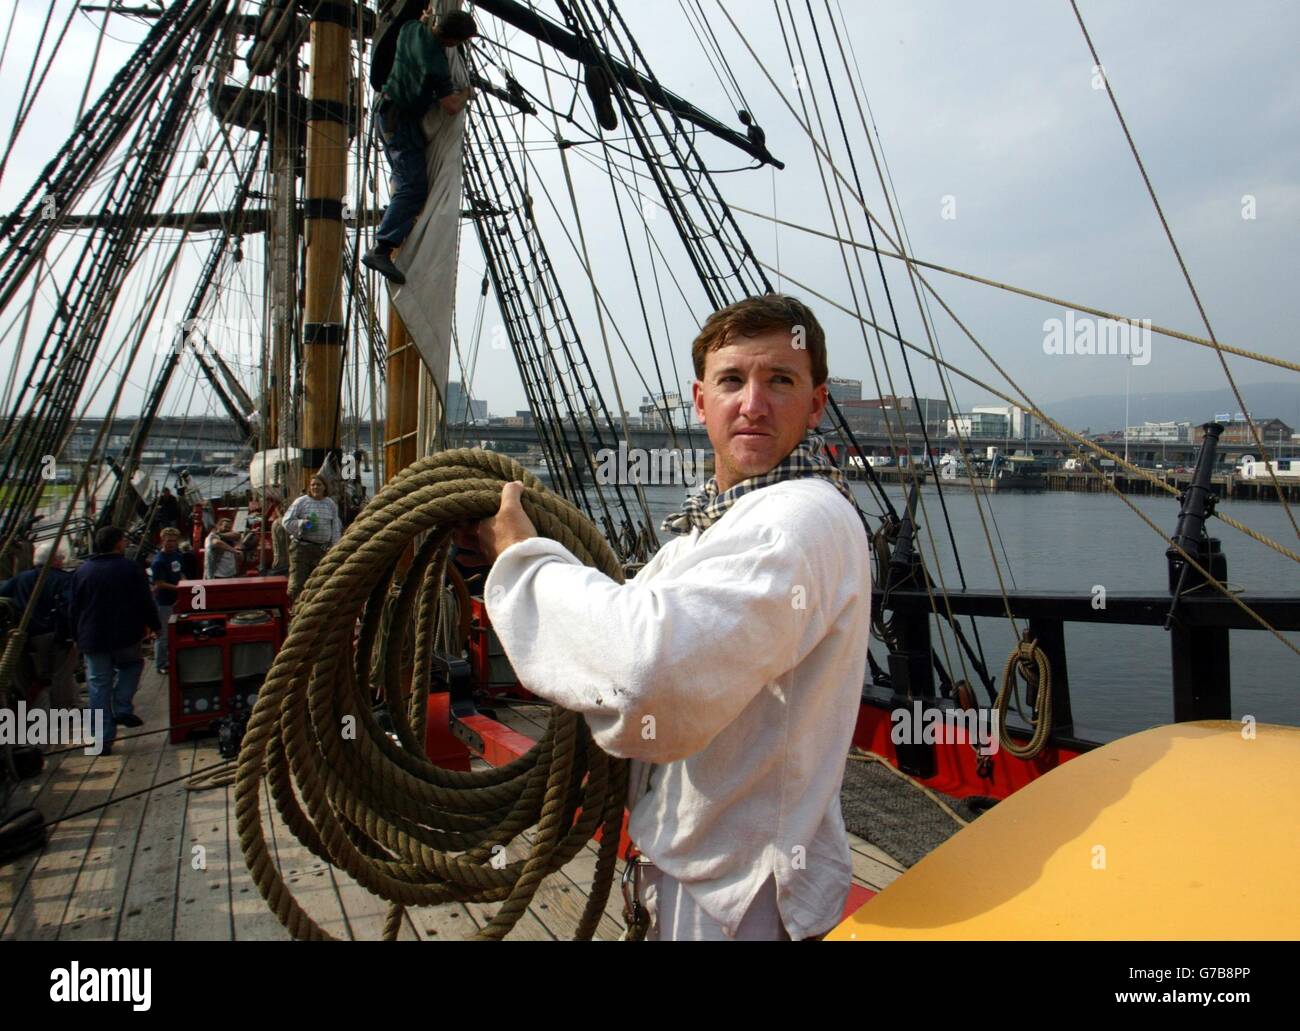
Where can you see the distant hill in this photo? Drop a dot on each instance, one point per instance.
(1101, 412)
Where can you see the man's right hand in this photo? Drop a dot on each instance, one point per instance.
(509, 526)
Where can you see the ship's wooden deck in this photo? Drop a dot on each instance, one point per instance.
(135, 870)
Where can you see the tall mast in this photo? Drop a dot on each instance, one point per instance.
(283, 250)
(327, 156)
(401, 418)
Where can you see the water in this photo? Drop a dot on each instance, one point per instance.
(1120, 677)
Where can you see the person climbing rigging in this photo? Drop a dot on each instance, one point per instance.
(420, 76)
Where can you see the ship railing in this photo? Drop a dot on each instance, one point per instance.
(1201, 680)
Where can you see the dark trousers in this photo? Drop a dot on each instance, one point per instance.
(404, 145)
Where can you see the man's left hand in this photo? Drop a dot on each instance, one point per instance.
(509, 526)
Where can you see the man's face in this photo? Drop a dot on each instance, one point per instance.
(757, 400)
(316, 489)
(224, 526)
(169, 543)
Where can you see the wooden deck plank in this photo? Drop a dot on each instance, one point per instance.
(203, 885)
(306, 876)
(149, 907)
(562, 898)
(871, 874)
(252, 917)
(51, 793)
(94, 909)
(95, 901)
(531, 926)
(451, 922)
(875, 853)
(51, 882)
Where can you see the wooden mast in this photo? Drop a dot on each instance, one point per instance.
(326, 185)
(283, 250)
(401, 417)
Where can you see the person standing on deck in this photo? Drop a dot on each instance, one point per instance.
(734, 661)
(221, 552)
(167, 510)
(313, 525)
(111, 612)
(49, 633)
(420, 76)
(166, 571)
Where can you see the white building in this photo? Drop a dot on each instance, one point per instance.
(1169, 432)
(978, 423)
(657, 409)
(1021, 424)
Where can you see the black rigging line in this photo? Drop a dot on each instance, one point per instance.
(889, 298)
(135, 194)
(893, 313)
(536, 357)
(24, 108)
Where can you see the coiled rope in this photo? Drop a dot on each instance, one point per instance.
(411, 832)
(1031, 662)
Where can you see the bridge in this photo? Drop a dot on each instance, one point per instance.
(1140, 452)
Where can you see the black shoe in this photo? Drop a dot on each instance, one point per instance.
(383, 264)
(131, 721)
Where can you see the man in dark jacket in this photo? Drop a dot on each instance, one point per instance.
(112, 610)
(420, 77)
(167, 511)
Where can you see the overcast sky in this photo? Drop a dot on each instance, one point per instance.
(984, 109)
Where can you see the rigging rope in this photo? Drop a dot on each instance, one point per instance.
(409, 831)
(1187, 276)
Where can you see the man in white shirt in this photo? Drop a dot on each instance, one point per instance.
(734, 660)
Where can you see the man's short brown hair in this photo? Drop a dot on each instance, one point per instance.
(169, 531)
(754, 316)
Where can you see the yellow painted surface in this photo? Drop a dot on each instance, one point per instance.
(1186, 831)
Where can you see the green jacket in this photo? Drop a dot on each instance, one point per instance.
(420, 73)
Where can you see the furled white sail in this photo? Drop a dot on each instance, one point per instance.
(428, 256)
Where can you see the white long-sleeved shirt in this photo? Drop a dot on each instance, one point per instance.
(735, 660)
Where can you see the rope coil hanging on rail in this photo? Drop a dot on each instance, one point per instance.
(411, 832)
(1029, 661)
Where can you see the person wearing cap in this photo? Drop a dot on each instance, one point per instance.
(165, 571)
(730, 668)
(420, 77)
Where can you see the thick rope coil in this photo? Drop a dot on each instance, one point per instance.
(1031, 662)
(411, 832)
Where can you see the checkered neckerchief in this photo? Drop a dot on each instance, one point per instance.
(809, 458)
